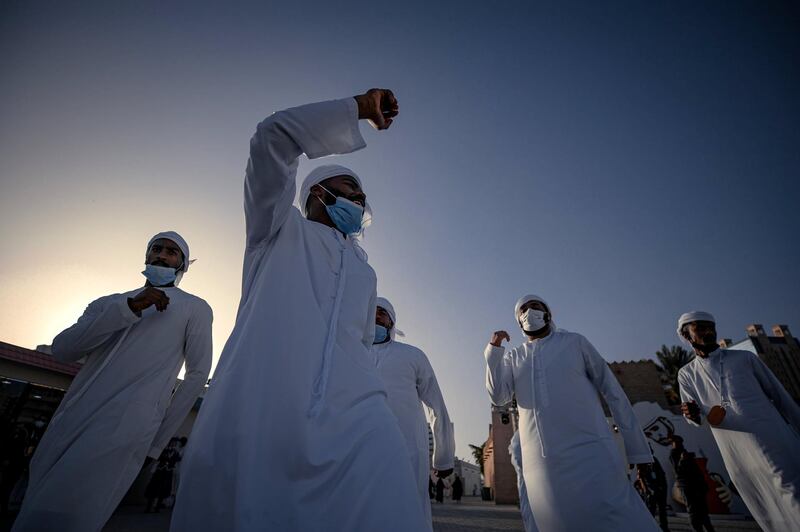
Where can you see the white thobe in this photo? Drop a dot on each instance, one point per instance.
(571, 464)
(294, 432)
(410, 383)
(758, 438)
(515, 451)
(119, 409)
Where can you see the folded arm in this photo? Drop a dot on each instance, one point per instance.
(100, 321)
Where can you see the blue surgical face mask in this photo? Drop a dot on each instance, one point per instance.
(345, 215)
(381, 334)
(159, 275)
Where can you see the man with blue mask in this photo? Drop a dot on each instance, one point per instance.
(121, 407)
(572, 467)
(312, 441)
(412, 391)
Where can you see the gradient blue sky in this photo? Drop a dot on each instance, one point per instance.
(627, 161)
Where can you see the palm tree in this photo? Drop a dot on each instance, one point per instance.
(672, 359)
(477, 454)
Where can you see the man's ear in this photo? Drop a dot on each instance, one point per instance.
(317, 191)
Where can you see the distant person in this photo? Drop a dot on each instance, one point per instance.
(755, 422)
(692, 485)
(655, 482)
(176, 476)
(159, 488)
(296, 411)
(570, 460)
(121, 407)
(440, 491)
(411, 385)
(13, 460)
(515, 450)
(458, 489)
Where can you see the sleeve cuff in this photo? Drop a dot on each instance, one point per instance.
(640, 458)
(492, 351)
(125, 311)
(336, 130)
(443, 466)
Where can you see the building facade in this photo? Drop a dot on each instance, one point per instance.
(32, 385)
(470, 475)
(499, 476)
(780, 352)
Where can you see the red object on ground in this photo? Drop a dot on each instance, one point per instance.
(715, 505)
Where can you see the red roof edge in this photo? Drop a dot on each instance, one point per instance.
(37, 359)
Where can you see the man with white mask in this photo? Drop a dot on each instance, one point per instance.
(755, 422)
(121, 408)
(295, 433)
(410, 384)
(572, 467)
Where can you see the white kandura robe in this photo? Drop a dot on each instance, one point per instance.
(119, 409)
(758, 438)
(572, 466)
(515, 451)
(258, 460)
(410, 383)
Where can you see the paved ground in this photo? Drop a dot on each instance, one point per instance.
(472, 515)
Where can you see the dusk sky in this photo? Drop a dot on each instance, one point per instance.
(627, 162)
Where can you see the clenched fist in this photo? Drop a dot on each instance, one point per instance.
(691, 411)
(145, 298)
(379, 106)
(498, 337)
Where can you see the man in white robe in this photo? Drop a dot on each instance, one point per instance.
(295, 433)
(410, 383)
(572, 467)
(121, 408)
(755, 422)
(515, 451)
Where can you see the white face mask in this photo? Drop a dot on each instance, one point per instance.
(533, 320)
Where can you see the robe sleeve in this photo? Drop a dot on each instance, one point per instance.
(197, 355)
(607, 384)
(100, 321)
(773, 389)
(687, 393)
(444, 444)
(369, 327)
(316, 129)
(499, 375)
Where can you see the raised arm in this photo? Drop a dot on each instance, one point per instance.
(197, 355)
(499, 374)
(773, 389)
(607, 384)
(101, 319)
(316, 129)
(444, 443)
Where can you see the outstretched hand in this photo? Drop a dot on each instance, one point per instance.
(379, 106)
(498, 337)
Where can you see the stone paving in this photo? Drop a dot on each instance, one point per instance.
(472, 515)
